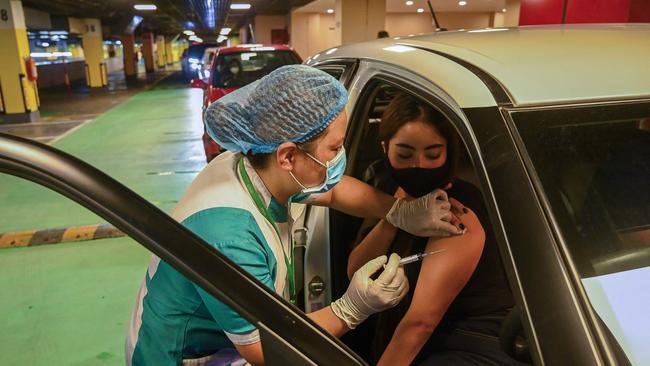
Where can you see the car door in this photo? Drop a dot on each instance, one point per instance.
(366, 103)
(288, 336)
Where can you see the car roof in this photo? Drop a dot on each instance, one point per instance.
(535, 65)
(255, 47)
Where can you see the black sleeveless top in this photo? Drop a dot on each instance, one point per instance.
(486, 292)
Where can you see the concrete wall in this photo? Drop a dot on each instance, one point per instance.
(312, 32)
(265, 23)
(403, 24)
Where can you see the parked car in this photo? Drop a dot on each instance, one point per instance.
(554, 127)
(234, 67)
(191, 60)
(555, 124)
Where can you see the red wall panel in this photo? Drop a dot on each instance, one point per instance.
(597, 11)
(639, 11)
(540, 12)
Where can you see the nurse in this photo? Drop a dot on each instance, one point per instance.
(284, 134)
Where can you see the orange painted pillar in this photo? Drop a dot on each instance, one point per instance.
(147, 51)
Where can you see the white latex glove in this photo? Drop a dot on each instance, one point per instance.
(426, 216)
(366, 296)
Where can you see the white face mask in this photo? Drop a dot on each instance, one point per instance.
(234, 70)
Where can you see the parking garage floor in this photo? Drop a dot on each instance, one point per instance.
(71, 302)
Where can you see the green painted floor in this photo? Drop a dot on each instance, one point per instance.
(69, 304)
(151, 143)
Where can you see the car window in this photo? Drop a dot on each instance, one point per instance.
(593, 164)
(235, 70)
(366, 161)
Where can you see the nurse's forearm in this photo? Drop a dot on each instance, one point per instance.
(357, 198)
(326, 318)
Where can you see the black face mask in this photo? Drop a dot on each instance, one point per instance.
(417, 182)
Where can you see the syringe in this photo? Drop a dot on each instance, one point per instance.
(417, 257)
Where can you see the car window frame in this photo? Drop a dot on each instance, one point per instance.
(370, 70)
(292, 337)
(574, 113)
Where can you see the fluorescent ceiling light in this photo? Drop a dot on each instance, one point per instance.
(420, 10)
(145, 7)
(221, 38)
(225, 31)
(188, 32)
(409, 3)
(45, 44)
(462, 3)
(240, 6)
(118, 42)
(399, 49)
(330, 11)
(504, 10)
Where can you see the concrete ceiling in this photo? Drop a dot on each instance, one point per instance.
(399, 6)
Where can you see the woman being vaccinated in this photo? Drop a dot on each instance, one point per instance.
(459, 294)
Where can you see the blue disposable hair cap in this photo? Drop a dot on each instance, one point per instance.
(294, 103)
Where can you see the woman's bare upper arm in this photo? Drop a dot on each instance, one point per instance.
(442, 276)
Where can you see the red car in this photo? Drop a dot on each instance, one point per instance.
(234, 67)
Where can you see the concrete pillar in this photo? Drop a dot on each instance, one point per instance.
(130, 57)
(91, 41)
(359, 20)
(176, 51)
(147, 51)
(18, 94)
(169, 53)
(160, 51)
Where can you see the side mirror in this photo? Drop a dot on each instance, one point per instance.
(198, 83)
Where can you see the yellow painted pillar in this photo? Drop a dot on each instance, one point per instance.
(18, 94)
(176, 51)
(358, 21)
(130, 58)
(147, 51)
(160, 51)
(91, 40)
(169, 53)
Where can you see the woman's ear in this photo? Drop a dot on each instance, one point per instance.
(285, 155)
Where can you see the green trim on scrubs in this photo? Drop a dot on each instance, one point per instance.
(180, 320)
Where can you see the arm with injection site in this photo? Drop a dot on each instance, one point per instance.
(441, 278)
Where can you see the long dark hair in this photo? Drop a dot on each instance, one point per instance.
(405, 108)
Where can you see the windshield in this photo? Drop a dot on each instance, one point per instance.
(235, 70)
(594, 166)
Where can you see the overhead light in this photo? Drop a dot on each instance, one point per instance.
(221, 39)
(118, 42)
(462, 3)
(145, 7)
(409, 3)
(45, 44)
(504, 10)
(330, 11)
(240, 6)
(225, 31)
(188, 32)
(420, 10)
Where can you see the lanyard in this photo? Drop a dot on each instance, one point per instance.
(259, 202)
